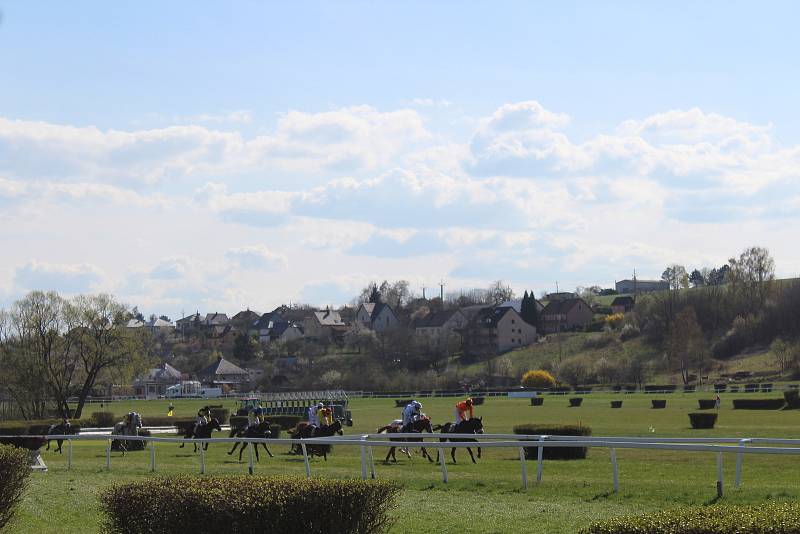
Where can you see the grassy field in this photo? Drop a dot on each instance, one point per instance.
(486, 497)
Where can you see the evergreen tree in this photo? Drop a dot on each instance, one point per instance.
(375, 295)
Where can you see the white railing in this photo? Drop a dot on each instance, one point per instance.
(367, 442)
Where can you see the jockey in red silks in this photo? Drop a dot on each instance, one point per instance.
(461, 410)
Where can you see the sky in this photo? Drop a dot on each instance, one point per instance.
(201, 156)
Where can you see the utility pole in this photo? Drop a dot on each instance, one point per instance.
(423, 293)
(441, 291)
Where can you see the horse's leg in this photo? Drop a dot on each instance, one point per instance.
(256, 448)
(266, 449)
(48, 445)
(235, 446)
(59, 442)
(453, 454)
(469, 450)
(388, 455)
(479, 452)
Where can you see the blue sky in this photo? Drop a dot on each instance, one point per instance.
(264, 152)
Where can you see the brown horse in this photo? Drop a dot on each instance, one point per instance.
(423, 424)
(260, 431)
(470, 426)
(203, 432)
(306, 431)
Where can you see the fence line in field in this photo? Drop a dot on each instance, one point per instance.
(367, 442)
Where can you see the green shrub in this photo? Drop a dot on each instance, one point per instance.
(555, 453)
(239, 504)
(32, 443)
(616, 404)
(538, 379)
(537, 401)
(163, 420)
(104, 419)
(773, 518)
(36, 426)
(703, 420)
(720, 388)
(15, 468)
(707, 404)
(222, 414)
(574, 402)
(758, 404)
(658, 404)
(666, 388)
(792, 398)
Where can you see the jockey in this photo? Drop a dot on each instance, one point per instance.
(411, 412)
(462, 408)
(202, 418)
(313, 415)
(253, 418)
(324, 416)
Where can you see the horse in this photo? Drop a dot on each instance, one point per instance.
(64, 428)
(469, 426)
(129, 427)
(259, 431)
(420, 425)
(304, 430)
(203, 432)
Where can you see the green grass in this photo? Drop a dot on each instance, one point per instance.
(486, 497)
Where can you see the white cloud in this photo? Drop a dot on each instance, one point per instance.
(232, 117)
(66, 278)
(257, 257)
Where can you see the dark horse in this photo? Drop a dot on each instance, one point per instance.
(61, 428)
(306, 431)
(203, 432)
(423, 424)
(470, 426)
(259, 431)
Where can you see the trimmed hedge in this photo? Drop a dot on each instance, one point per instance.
(537, 401)
(773, 518)
(222, 414)
(751, 388)
(32, 443)
(758, 404)
(163, 420)
(104, 419)
(766, 388)
(239, 504)
(707, 404)
(703, 420)
(667, 388)
(555, 453)
(286, 422)
(689, 389)
(720, 388)
(792, 398)
(658, 404)
(616, 404)
(36, 426)
(574, 402)
(559, 391)
(15, 468)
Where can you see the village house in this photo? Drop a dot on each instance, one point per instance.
(216, 319)
(242, 321)
(378, 317)
(223, 373)
(636, 286)
(565, 315)
(436, 329)
(155, 383)
(187, 324)
(324, 325)
(495, 330)
(154, 326)
(622, 304)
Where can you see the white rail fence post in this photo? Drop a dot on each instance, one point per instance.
(614, 466)
(524, 467)
(69, 453)
(305, 459)
(364, 458)
(444, 467)
(108, 455)
(202, 459)
(372, 463)
(739, 456)
(152, 456)
(539, 457)
(250, 465)
(719, 475)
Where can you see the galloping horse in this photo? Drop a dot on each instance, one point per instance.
(259, 431)
(63, 427)
(423, 424)
(469, 426)
(129, 427)
(203, 432)
(306, 431)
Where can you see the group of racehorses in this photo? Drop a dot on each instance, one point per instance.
(305, 430)
(423, 424)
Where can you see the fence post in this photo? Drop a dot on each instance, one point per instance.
(719, 474)
(108, 455)
(69, 453)
(152, 456)
(305, 459)
(202, 459)
(614, 465)
(539, 456)
(739, 456)
(524, 467)
(363, 459)
(444, 467)
(371, 463)
(250, 467)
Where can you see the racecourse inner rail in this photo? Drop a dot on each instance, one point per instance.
(367, 442)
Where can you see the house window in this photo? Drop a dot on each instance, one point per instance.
(512, 321)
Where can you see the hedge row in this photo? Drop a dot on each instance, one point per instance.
(554, 453)
(14, 472)
(37, 427)
(286, 422)
(703, 420)
(792, 398)
(772, 518)
(758, 404)
(239, 504)
(707, 404)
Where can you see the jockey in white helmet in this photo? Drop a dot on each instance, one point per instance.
(411, 412)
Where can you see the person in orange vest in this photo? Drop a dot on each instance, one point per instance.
(462, 408)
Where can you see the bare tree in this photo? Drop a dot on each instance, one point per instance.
(685, 345)
(499, 292)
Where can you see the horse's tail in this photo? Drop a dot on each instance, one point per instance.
(436, 428)
(383, 429)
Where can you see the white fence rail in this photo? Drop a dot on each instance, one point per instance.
(367, 442)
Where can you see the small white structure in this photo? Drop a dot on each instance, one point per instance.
(192, 389)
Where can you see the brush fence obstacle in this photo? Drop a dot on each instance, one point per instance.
(367, 443)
